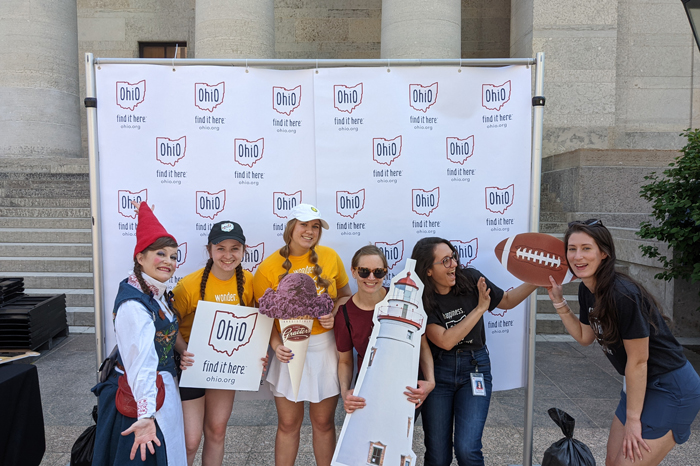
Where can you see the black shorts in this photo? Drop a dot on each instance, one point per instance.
(187, 393)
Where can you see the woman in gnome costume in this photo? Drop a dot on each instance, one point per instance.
(222, 280)
(319, 381)
(146, 325)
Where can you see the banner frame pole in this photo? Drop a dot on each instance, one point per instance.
(96, 230)
(538, 117)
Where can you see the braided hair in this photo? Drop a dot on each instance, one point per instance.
(313, 257)
(160, 243)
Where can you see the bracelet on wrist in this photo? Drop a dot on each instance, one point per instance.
(559, 305)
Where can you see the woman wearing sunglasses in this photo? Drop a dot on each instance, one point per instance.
(661, 391)
(455, 300)
(353, 328)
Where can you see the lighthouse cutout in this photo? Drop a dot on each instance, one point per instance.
(381, 433)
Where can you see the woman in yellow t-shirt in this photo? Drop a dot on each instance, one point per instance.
(222, 280)
(319, 382)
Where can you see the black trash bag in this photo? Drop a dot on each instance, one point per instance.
(567, 451)
(83, 448)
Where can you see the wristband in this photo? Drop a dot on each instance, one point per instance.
(559, 305)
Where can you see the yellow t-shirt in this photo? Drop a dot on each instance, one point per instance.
(188, 293)
(267, 275)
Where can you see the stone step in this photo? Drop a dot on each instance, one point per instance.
(46, 249)
(568, 288)
(545, 306)
(60, 200)
(67, 280)
(553, 217)
(44, 235)
(550, 324)
(82, 316)
(58, 223)
(45, 212)
(43, 176)
(74, 297)
(19, 265)
(45, 184)
(553, 227)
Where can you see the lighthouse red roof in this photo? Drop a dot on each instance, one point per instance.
(407, 281)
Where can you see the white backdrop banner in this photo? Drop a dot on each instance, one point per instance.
(388, 155)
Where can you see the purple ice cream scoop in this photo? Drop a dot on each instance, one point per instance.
(295, 296)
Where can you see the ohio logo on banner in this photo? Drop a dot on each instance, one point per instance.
(247, 152)
(459, 150)
(209, 205)
(283, 203)
(421, 97)
(208, 97)
(253, 256)
(499, 199)
(170, 151)
(284, 100)
(181, 254)
(347, 99)
(392, 251)
(425, 202)
(385, 151)
(495, 97)
(129, 95)
(349, 204)
(126, 208)
(467, 250)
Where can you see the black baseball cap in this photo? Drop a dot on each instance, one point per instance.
(226, 230)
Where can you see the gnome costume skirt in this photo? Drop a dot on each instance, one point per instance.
(320, 377)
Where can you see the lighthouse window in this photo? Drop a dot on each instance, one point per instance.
(371, 356)
(410, 335)
(376, 453)
(405, 460)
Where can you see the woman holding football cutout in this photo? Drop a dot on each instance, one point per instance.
(661, 391)
(455, 300)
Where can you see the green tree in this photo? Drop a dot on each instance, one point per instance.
(675, 199)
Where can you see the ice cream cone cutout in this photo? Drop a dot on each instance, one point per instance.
(295, 336)
(295, 303)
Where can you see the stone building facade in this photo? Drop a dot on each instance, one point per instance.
(619, 81)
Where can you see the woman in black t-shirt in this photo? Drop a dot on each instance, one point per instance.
(661, 394)
(455, 300)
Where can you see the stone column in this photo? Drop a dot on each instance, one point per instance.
(235, 29)
(39, 100)
(421, 29)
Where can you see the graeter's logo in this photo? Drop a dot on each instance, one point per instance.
(467, 250)
(229, 333)
(283, 203)
(499, 199)
(247, 152)
(207, 96)
(284, 100)
(425, 202)
(385, 151)
(495, 97)
(459, 150)
(296, 332)
(392, 251)
(347, 99)
(181, 254)
(349, 204)
(125, 198)
(129, 95)
(170, 151)
(421, 97)
(254, 255)
(209, 205)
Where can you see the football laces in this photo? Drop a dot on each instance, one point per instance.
(538, 257)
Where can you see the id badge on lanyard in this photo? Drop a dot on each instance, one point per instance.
(478, 386)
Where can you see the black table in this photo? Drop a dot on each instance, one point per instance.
(22, 441)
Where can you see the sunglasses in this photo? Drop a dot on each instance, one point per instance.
(589, 223)
(447, 260)
(364, 272)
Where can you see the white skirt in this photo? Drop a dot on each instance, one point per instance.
(320, 377)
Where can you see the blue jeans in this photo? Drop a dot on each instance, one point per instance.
(452, 402)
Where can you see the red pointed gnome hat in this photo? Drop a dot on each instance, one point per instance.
(148, 229)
